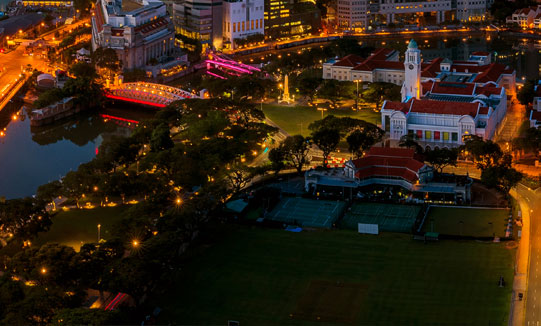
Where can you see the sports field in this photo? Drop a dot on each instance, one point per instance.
(391, 218)
(469, 222)
(273, 277)
(78, 226)
(294, 118)
(307, 212)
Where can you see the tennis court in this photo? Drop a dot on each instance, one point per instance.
(389, 217)
(308, 212)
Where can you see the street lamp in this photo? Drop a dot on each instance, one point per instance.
(135, 243)
(99, 232)
(322, 109)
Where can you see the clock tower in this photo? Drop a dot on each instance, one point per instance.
(412, 64)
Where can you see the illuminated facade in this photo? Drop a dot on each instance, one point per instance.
(444, 112)
(357, 15)
(45, 3)
(285, 18)
(139, 31)
(200, 20)
(242, 18)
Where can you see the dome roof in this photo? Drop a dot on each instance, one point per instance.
(45, 77)
(412, 44)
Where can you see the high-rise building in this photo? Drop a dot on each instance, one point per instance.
(286, 18)
(242, 18)
(199, 20)
(358, 15)
(139, 31)
(352, 14)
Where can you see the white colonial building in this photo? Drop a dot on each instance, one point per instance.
(383, 66)
(441, 113)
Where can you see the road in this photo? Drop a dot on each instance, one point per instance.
(530, 203)
(12, 63)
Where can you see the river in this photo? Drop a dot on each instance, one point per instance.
(30, 156)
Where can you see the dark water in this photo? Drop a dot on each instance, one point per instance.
(31, 156)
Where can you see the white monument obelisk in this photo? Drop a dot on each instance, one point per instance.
(285, 97)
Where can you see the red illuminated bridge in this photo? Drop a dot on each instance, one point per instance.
(150, 94)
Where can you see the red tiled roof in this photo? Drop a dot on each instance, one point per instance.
(442, 107)
(431, 69)
(434, 107)
(427, 86)
(397, 106)
(370, 161)
(453, 88)
(380, 54)
(492, 72)
(98, 16)
(369, 65)
(151, 26)
(480, 53)
(350, 60)
(488, 90)
(483, 110)
(384, 172)
(389, 161)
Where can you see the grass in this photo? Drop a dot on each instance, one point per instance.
(290, 118)
(274, 277)
(475, 221)
(78, 226)
(391, 218)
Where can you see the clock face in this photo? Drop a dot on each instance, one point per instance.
(411, 66)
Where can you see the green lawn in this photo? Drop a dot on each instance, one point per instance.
(475, 221)
(274, 277)
(290, 118)
(78, 226)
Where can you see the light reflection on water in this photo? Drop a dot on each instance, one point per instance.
(31, 156)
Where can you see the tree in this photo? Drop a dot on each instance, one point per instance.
(277, 157)
(49, 191)
(327, 140)
(49, 97)
(23, 218)
(378, 92)
(52, 264)
(106, 58)
(531, 141)
(501, 177)
(440, 158)
(85, 316)
(485, 153)
(359, 141)
(308, 86)
(296, 149)
(161, 138)
(334, 90)
(410, 141)
(239, 176)
(526, 93)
